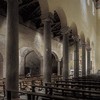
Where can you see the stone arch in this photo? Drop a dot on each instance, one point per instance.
(1, 66)
(32, 63)
(74, 29)
(56, 57)
(73, 34)
(82, 37)
(88, 42)
(62, 16)
(24, 51)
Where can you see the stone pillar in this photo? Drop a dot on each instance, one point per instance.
(1, 69)
(76, 60)
(83, 60)
(59, 68)
(47, 64)
(12, 48)
(88, 61)
(65, 69)
(41, 70)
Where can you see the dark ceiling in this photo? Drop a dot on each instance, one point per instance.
(29, 10)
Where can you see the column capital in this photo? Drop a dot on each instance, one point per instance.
(48, 18)
(76, 38)
(83, 43)
(88, 48)
(66, 30)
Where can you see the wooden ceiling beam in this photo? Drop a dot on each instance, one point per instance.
(36, 9)
(56, 28)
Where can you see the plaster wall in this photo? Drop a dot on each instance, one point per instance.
(27, 38)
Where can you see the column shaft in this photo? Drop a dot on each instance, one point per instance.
(76, 60)
(65, 70)
(88, 62)
(59, 68)
(47, 66)
(41, 70)
(83, 60)
(12, 61)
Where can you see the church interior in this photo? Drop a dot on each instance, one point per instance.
(49, 50)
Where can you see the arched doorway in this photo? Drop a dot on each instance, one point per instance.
(32, 64)
(54, 64)
(30, 61)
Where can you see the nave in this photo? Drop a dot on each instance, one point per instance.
(49, 50)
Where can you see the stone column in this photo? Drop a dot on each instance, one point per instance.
(88, 61)
(47, 66)
(76, 60)
(1, 69)
(59, 67)
(83, 60)
(41, 70)
(65, 70)
(12, 56)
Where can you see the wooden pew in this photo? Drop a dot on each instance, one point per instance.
(76, 86)
(89, 78)
(79, 82)
(35, 96)
(71, 92)
(56, 78)
(27, 82)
